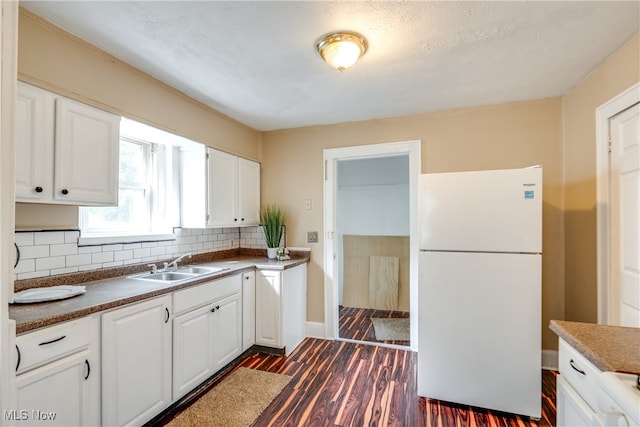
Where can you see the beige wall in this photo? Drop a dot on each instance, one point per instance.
(610, 78)
(502, 136)
(56, 60)
(557, 133)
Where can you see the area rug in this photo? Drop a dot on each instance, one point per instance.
(236, 402)
(391, 329)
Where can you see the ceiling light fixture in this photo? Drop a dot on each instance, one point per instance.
(341, 50)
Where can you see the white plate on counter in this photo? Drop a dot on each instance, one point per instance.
(51, 293)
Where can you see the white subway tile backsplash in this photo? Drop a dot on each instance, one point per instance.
(81, 259)
(56, 252)
(122, 255)
(101, 257)
(30, 252)
(23, 239)
(49, 263)
(48, 238)
(71, 236)
(63, 249)
(141, 253)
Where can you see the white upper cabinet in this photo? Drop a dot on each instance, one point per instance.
(219, 189)
(66, 151)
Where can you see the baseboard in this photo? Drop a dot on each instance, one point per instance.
(315, 329)
(550, 359)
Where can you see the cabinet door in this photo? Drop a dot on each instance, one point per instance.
(572, 410)
(193, 349)
(222, 191)
(136, 362)
(60, 393)
(249, 192)
(86, 155)
(268, 317)
(228, 335)
(34, 144)
(294, 307)
(248, 310)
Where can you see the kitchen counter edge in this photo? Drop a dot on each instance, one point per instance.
(106, 294)
(609, 348)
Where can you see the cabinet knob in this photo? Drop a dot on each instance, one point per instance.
(213, 310)
(65, 191)
(242, 219)
(38, 189)
(235, 219)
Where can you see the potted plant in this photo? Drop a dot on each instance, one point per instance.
(272, 221)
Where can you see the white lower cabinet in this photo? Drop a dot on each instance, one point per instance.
(207, 331)
(281, 307)
(58, 379)
(576, 388)
(136, 362)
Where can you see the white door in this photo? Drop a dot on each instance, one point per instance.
(58, 393)
(249, 192)
(86, 154)
(625, 216)
(222, 202)
(228, 329)
(136, 362)
(268, 320)
(193, 349)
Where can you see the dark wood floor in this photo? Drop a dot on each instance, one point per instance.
(338, 383)
(355, 323)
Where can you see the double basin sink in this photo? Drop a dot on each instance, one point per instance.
(182, 273)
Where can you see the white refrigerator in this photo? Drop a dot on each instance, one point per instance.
(479, 320)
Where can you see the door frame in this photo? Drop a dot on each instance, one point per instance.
(331, 157)
(605, 112)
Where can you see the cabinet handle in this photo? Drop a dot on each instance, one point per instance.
(86, 362)
(19, 357)
(217, 307)
(575, 368)
(52, 341)
(167, 312)
(213, 310)
(65, 191)
(38, 189)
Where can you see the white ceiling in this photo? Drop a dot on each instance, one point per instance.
(255, 61)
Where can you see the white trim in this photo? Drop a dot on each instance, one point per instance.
(137, 238)
(8, 84)
(604, 112)
(550, 359)
(315, 329)
(331, 156)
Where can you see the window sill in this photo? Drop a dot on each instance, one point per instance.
(110, 240)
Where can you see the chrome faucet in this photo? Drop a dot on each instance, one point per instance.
(174, 264)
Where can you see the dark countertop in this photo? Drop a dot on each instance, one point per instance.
(609, 348)
(113, 292)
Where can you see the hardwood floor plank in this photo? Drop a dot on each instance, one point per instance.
(337, 383)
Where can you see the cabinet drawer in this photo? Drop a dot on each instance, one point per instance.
(48, 344)
(579, 372)
(200, 295)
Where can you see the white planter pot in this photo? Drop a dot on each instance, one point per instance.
(272, 253)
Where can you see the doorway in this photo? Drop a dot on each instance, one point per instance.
(371, 249)
(618, 216)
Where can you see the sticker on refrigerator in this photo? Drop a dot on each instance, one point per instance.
(528, 194)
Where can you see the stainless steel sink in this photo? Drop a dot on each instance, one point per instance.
(200, 270)
(165, 277)
(183, 273)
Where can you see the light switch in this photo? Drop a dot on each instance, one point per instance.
(307, 204)
(312, 237)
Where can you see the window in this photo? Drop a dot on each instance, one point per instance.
(147, 195)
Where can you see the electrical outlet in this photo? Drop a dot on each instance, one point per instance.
(312, 237)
